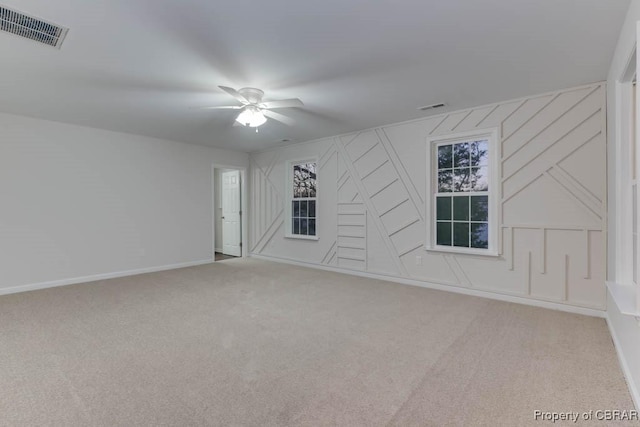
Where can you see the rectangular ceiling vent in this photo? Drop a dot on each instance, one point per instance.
(431, 107)
(31, 28)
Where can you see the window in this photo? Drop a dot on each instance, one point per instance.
(634, 183)
(302, 205)
(625, 288)
(463, 193)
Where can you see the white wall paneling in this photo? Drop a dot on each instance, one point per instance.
(372, 203)
(267, 206)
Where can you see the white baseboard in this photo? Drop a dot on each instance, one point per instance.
(633, 387)
(105, 276)
(459, 290)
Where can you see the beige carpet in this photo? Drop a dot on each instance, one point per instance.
(252, 343)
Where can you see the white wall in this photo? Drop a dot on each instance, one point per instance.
(553, 201)
(625, 329)
(80, 202)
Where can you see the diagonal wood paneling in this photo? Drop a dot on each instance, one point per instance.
(351, 246)
(388, 192)
(552, 174)
(342, 148)
(269, 203)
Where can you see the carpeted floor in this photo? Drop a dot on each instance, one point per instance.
(252, 343)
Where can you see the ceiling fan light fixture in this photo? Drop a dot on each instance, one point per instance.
(254, 112)
(251, 117)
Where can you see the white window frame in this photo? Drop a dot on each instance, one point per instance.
(492, 135)
(625, 292)
(289, 198)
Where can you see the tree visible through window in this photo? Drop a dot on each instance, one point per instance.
(462, 194)
(303, 204)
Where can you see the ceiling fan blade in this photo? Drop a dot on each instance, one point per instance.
(285, 103)
(279, 117)
(237, 124)
(231, 91)
(224, 107)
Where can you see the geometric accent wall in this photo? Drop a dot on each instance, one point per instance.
(371, 200)
(268, 204)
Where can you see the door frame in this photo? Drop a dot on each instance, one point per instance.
(243, 207)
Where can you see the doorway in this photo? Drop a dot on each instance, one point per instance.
(228, 196)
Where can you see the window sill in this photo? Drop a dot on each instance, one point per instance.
(625, 297)
(294, 236)
(462, 251)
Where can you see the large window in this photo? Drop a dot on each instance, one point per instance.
(625, 289)
(461, 182)
(302, 204)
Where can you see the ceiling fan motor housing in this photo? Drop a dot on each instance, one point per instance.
(253, 95)
(253, 112)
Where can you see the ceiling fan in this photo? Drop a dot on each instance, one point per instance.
(254, 112)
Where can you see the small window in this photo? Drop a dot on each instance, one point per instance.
(302, 206)
(461, 183)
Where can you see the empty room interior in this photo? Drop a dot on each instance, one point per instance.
(336, 213)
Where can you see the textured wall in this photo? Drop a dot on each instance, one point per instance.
(372, 195)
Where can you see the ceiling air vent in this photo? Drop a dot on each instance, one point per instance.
(31, 28)
(431, 107)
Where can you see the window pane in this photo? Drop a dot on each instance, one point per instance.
(462, 218)
(312, 227)
(634, 277)
(303, 209)
(445, 157)
(443, 234)
(461, 234)
(299, 189)
(480, 208)
(304, 180)
(444, 208)
(634, 229)
(480, 153)
(634, 209)
(312, 189)
(461, 155)
(296, 226)
(461, 180)
(296, 209)
(312, 208)
(445, 181)
(480, 179)
(480, 235)
(303, 227)
(461, 208)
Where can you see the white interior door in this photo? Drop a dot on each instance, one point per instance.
(231, 213)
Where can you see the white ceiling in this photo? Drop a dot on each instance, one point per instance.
(141, 66)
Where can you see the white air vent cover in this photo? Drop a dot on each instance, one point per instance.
(32, 28)
(431, 107)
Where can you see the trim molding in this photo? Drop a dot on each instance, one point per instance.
(97, 277)
(429, 285)
(633, 387)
